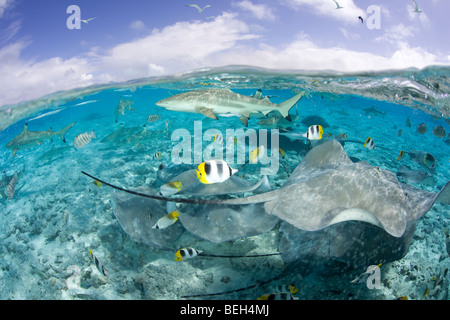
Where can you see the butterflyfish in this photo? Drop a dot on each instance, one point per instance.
(369, 144)
(186, 253)
(314, 132)
(170, 188)
(214, 171)
(167, 220)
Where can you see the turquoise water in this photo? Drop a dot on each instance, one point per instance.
(56, 214)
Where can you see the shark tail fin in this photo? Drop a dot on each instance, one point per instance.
(63, 131)
(285, 106)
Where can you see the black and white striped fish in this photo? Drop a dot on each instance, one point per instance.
(186, 253)
(100, 267)
(11, 188)
(214, 171)
(314, 132)
(83, 139)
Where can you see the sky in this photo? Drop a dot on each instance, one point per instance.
(40, 54)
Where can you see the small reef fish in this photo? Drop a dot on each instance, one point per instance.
(97, 183)
(256, 154)
(401, 155)
(186, 253)
(277, 296)
(402, 298)
(153, 118)
(399, 132)
(214, 171)
(170, 188)
(11, 188)
(157, 156)
(282, 152)
(287, 288)
(342, 136)
(369, 144)
(100, 267)
(167, 220)
(28, 139)
(422, 128)
(314, 132)
(439, 132)
(123, 106)
(427, 291)
(83, 139)
(218, 138)
(408, 123)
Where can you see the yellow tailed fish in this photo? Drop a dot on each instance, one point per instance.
(401, 155)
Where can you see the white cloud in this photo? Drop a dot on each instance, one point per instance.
(348, 14)
(415, 16)
(177, 47)
(397, 33)
(138, 25)
(4, 4)
(185, 46)
(23, 80)
(260, 11)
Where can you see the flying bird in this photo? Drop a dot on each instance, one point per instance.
(360, 18)
(416, 7)
(200, 10)
(87, 20)
(337, 5)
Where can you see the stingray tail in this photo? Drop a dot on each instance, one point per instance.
(61, 133)
(285, 106)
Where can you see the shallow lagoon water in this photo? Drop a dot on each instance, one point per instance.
(57, 214)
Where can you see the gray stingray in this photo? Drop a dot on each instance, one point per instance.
(138, 215)
(327, 188)
(224, 223)
(191, 185)
(414, 176)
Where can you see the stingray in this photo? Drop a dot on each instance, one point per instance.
(327, 188)
(137, 216)
(414, 176)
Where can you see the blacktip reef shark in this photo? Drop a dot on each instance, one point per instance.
(28, 139)
(224, 102)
